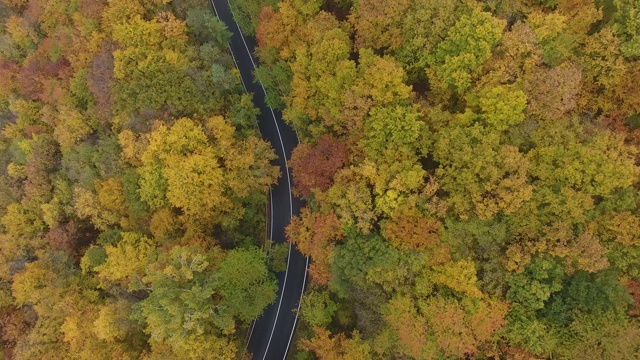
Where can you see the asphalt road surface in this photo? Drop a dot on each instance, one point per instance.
(272, 333)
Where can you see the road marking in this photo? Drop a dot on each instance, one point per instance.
(284, 155)
(284, 284)
(271, 205)
(304, 284)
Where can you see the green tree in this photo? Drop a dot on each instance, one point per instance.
(503, 106)
(199, 295)
(276, 79)
(245, 284)
(467, 46)
(207, 28)
(424, 25)
(151, 68)
(532, 288)
(391, 133)
(317, 308)
(627, 24)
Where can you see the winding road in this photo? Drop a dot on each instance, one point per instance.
(272, 333)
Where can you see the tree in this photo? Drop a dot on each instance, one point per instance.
(246, 13)
(193, 303)
(127, 261)
(71, 128)
(41, 162)
(207, 28)
(87, 206)
(315, 235)
(484, 242)
(276, 78)
(596, 293)
(153, 186)
(410, 328)
(245, 284)
(23, 34)
(189, 177)
(281, 29)
(424, 25)
(597, 165)
(327, 157)
(602, 336)
(322, 71)
(627, 20)
(603, 70)
(409, 229)
(20, 223)
(181, 164)
(181, 300)
(530, 289)
(438, 326)
(553, 93)
(150, 68)
(582, 252)
(44, 285)
(99, 81)
(556, 40)
(391, 133)
(338, 347)
(482, 176)
(459, 276)
(460, 329)
(111, 195)
(68, 238)
(503, 106)
(371, 89)
(378, 24)
(467, 46)
(317, 308)
(120, 11)
(514, 57)
(351, 199)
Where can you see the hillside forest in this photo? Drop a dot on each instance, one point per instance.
(470, 170)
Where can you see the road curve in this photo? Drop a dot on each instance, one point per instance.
(272, 333)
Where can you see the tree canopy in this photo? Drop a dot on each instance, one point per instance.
(133, 187)
(480, 196)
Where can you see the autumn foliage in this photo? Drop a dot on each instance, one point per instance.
(480, 161)
(125, 186)
(315, 166)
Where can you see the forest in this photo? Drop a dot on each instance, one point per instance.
(134, 184)
(470, 170)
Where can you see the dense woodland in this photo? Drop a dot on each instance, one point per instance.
(470, 170)
(134, 184)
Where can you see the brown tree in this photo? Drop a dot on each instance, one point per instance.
(315, 235)
(314, 166)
